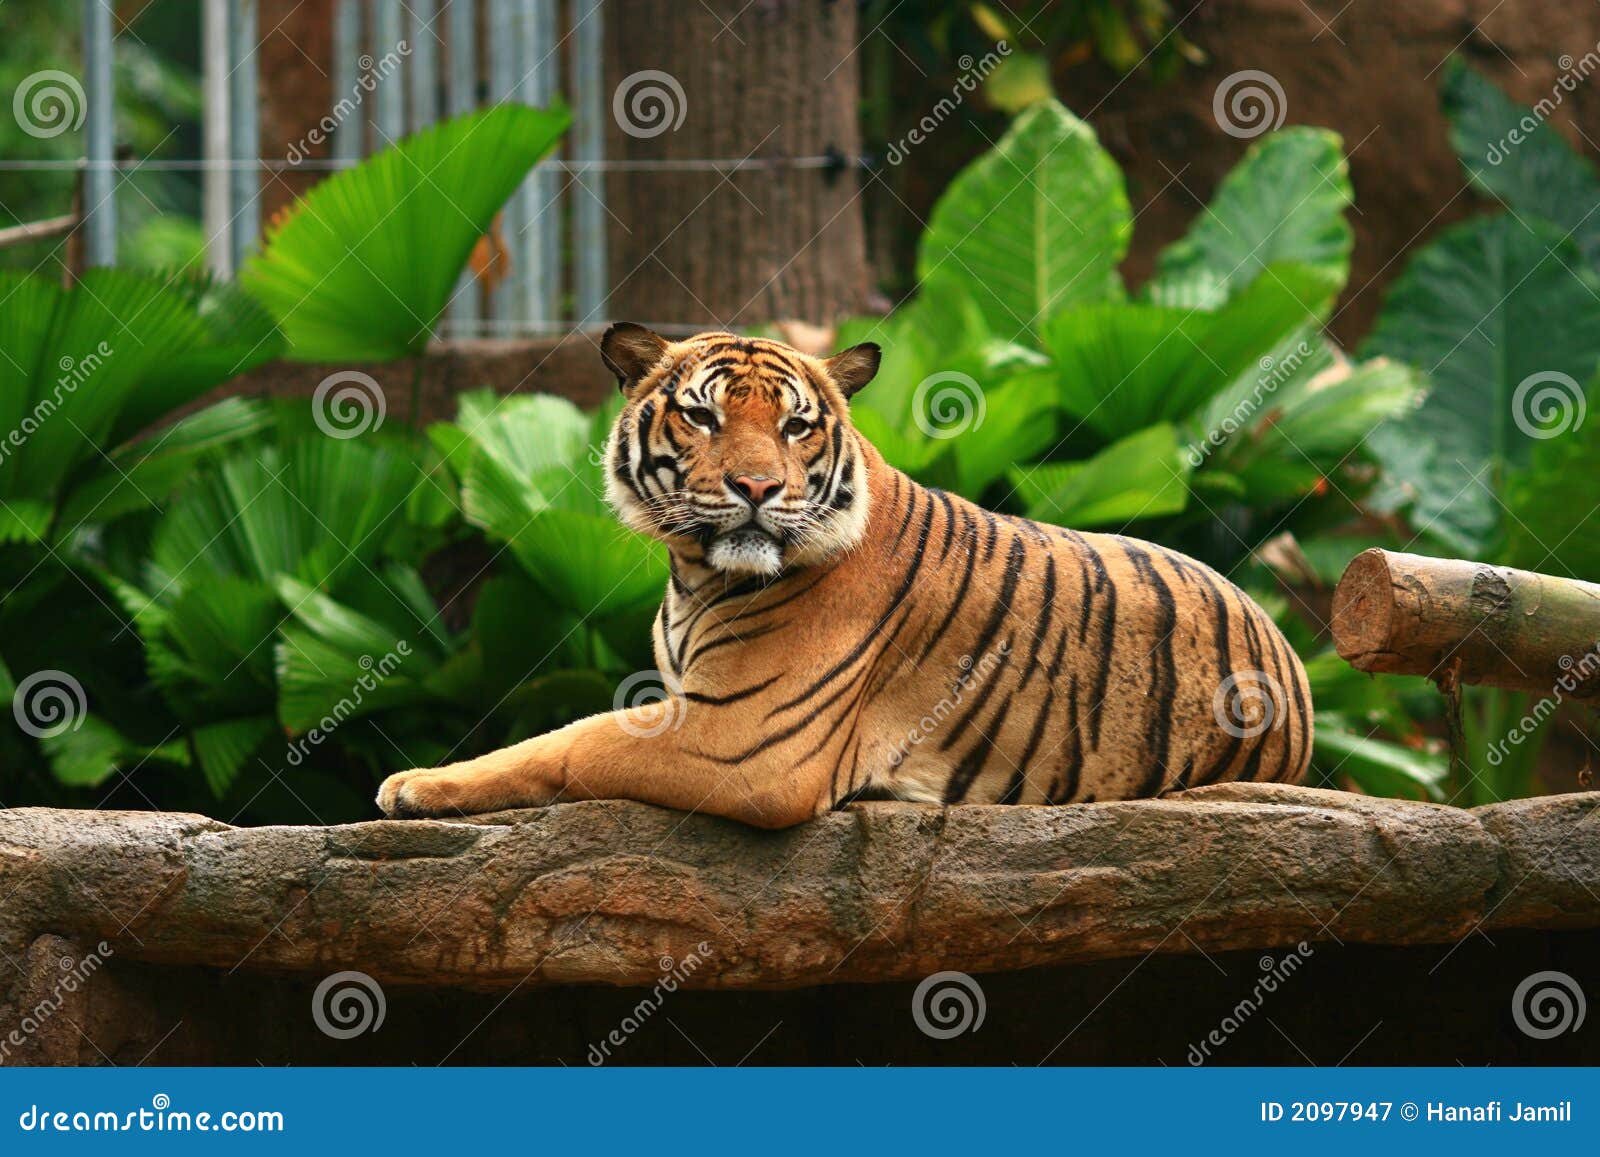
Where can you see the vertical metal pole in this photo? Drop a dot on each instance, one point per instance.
(423, 73)
(349, 130)
(505, 76)
(216, 188)
(390, 91)
(246, 131)
(99, 179)
(463, 98)
(589, 144)
(541, 195)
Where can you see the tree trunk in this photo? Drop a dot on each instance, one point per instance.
(1404, 614)
(767, 80)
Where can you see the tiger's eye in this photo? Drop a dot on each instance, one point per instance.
(795, 427)
(701, 416)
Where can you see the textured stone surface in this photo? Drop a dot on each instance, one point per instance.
(602, 892)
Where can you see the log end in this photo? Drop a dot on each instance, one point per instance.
(1363, 611)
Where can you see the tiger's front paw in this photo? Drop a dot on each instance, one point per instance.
(464, 789)
(397, 802)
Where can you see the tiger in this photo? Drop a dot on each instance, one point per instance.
(834, 631)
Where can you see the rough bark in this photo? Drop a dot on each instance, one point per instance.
(1405, 614)
(603, 893)
(765, 81)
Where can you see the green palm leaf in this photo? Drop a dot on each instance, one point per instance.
(365, 264)
(86, 369)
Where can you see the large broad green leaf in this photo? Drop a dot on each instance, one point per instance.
(1554, 502)
(1038, 223)
(1283, 203)
(527, 478)
(1142, 476)
(1491, 307)
(365, 263)
(1510, 152)
(1124, 366)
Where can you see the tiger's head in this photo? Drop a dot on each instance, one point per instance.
(739, 447)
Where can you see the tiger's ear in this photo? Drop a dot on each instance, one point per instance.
(631, 351)
(853, 368)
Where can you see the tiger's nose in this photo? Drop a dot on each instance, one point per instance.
(756, 487)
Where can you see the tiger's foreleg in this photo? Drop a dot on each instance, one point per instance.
(636, 753)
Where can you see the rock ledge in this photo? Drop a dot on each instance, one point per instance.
(615, 892)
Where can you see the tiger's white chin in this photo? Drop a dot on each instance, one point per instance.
(747, 550)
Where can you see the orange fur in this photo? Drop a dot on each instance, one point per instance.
(854, 633)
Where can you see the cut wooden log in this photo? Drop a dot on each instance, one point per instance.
(1404, 614)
